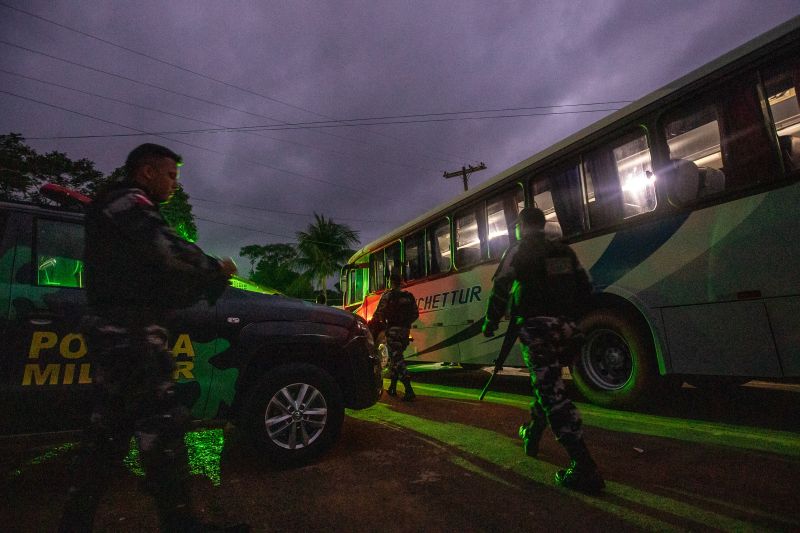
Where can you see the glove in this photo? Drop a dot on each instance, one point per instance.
(488, 328)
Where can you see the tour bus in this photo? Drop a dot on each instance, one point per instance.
(683, 206)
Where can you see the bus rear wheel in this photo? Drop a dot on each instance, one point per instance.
(617, 366)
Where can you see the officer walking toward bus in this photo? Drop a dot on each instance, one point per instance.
(396, 311)
(137, 270)
(550, 290)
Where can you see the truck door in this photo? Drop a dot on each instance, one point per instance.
(47, 384)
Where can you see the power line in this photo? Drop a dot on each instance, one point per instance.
(132, 80)
(303, 126)
(146, 84)
(257, 163)
(109, 98)
(247, 228)
(293, 213)
(184, 69)
(262, 231)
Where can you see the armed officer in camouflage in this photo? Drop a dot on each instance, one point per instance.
(396, 311)
(550, 290)
(137, 270)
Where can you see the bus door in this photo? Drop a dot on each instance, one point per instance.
(355, 279)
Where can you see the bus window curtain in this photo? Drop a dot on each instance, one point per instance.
(746, 145)
(510, 214)
(566, 190)
(483, 232)
(607, 208)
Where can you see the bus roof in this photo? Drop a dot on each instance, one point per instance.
(752, 51)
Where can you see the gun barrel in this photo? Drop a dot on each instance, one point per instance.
(488, 384)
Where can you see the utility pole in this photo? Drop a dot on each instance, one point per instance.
(464, 172)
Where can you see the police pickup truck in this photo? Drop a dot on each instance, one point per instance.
(282, 369)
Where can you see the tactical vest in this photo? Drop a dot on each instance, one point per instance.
(401, 309)
(550, 283)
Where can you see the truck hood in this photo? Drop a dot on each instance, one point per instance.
(255, 307)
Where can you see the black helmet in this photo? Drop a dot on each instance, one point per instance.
(531, 217)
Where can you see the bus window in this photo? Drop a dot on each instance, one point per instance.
(415, 255)
(720, 146)
(393, 260)
(552, 227)
(501, 214)
(59, 248)
(437, 247)
(470, 237)
(782, 85)
(377, 277)
(693, 139)
(559, 195)
(620, 181)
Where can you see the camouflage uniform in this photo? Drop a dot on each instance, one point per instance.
(548, 344)
(138, 269)
(396, 311)
(546, 287)
(396, 343)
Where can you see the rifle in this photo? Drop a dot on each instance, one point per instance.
(508, 342)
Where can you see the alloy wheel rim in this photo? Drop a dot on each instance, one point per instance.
(296, 416)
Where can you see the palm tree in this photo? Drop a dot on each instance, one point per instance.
(323, 248)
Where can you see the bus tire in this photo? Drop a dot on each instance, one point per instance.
(294, 413)
(617, 365)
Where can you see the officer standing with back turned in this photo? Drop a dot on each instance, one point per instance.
(137, 271)
(550, 290)
(396, 311)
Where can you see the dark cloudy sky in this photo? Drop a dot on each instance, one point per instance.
(294, 61)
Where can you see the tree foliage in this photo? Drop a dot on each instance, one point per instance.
(324, 248)
(178, 214)
(23, 171)
(274, 267)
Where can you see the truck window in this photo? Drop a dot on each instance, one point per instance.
(59, 253)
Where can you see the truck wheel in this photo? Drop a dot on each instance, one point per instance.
(294, 413)
(617, 366)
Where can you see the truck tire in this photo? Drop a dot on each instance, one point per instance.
(294, 413)
(617, 365)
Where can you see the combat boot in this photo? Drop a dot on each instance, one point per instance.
(409, 395)
(531, 434)
(392, 390)
(581, 474)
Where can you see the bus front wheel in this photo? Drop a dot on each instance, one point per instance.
(617, 365)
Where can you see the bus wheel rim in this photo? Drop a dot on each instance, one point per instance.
(606, 359)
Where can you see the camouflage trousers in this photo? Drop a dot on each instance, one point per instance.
(134, 397)
(396, 343)
(548, 344)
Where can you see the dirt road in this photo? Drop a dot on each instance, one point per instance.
(450, 463)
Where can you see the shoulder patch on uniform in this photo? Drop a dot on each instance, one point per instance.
(141, 199)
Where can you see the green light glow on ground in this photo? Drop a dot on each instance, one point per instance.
(204, 448)
(628, 503)
(48, 455)
(750, 438)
